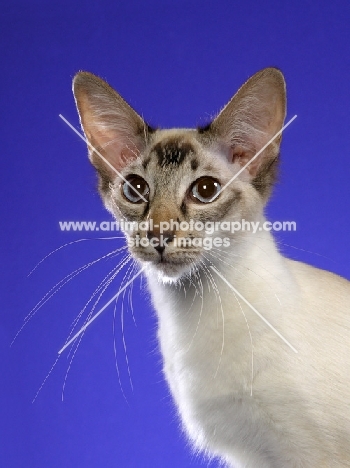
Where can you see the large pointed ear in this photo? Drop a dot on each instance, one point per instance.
(253, 116)
(113, 129)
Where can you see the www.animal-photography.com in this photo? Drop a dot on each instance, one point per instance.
(175, 234)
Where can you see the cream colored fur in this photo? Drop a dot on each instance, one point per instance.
(298, 413)
(241, 392)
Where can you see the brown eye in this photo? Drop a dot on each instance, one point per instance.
(205, 189)
(133, 187)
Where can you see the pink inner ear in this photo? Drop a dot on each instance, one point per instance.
(242, 156)
(127, 155)
(114, 148)
(118, 154)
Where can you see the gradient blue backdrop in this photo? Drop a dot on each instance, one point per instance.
(177, 63)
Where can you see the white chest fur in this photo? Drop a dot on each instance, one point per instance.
(271, 413)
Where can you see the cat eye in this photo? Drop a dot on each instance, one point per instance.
(205, 189)
(139, 184)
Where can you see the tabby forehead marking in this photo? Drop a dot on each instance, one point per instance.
(146, 162)
(172, 152)
(194, 164)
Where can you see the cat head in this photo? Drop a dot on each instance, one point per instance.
(167, 186)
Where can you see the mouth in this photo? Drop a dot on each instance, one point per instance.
(170, 267)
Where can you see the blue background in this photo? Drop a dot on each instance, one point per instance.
(177, 63)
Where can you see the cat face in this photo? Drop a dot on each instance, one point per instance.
(166, 185)
(178, 175)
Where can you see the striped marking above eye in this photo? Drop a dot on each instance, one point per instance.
(194, 164)
(172, 152)
(146, 162)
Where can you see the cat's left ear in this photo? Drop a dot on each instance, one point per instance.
(253, 116)
(111, 126)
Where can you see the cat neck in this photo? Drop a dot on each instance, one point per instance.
(252, 265)
(205, 329)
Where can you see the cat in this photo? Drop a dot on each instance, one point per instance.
(242, 393)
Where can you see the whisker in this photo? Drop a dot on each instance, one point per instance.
(253, 309)
(114, 337)
(223, 320)
(250, 337)
(100, 311)
(76, 346)
(218, 257)
(69, 277)
(103, 285)
(228, 254)
(58, 357)
(128, 274)
(131, 304)
(96, 291)
(70, 243)
(115, 355)
(60, 285)
(196, 272)
(306, 251)
(45, 379)
(256, 236)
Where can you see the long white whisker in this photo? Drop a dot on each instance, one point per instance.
(45, 379)
(68, 278)
(247, 268)
(75, 348)
(110, 276)
(73, 324)
(223, 322)
(306, 251)
(126, 276)
(104, 284)
(102, 287)
(54, 290)
(128, 273)
(260, 266)
(196, 272)
(70, 243)
(131, 305)
(251, 341)
(254, 309)
(100, 311)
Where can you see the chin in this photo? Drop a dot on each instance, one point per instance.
(169, 272)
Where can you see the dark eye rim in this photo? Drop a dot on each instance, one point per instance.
(194, 198)
(128, 179)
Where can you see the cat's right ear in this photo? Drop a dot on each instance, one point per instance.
(113, 129)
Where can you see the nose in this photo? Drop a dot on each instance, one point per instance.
(159, 240)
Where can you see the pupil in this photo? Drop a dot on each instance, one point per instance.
(207, 189)
(138, 185)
